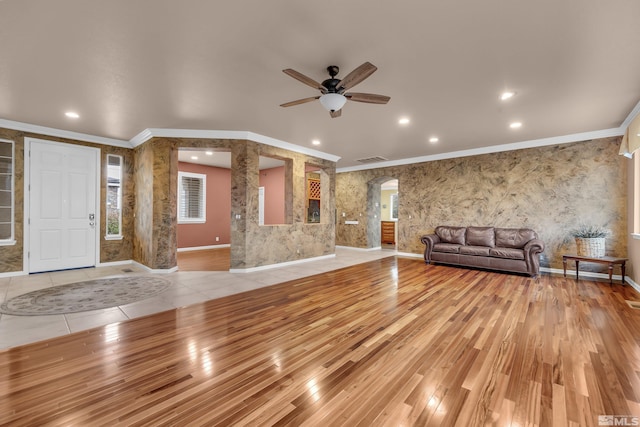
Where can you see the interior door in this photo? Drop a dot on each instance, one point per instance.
(62, 206)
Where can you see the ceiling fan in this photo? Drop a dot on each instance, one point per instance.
(334, 91)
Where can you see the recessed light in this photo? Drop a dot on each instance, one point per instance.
(194, 157)
(506, 95)
(433, 139)
(209, 153)
(72, 114)
(515, 125)
(316, 142)
(404, 121)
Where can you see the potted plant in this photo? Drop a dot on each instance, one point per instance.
(590, 240)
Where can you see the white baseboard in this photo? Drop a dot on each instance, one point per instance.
(202, 248)
(280, 264)
(614, 277)
(572, 273)
(114, 263)
(633, 284)
(156, 270)
(14, 274)
(377, 248)
(410, 255)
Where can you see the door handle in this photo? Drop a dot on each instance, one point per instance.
(91, 217)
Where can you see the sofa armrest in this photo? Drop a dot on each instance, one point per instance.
(429, 241)
(532, 251)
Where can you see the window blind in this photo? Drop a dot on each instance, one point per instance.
(191, 205)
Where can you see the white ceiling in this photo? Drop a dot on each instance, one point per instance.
(125, 66)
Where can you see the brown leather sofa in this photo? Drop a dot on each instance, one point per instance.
(505, 249)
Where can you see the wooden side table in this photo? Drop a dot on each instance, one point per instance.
(610, 261)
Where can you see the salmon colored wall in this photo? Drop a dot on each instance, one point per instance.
(273, 182)
(218, 209)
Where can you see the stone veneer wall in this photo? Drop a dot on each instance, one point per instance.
(11, 257)
(156, 174)
(251, 245)
(549, 189)
(270, 244)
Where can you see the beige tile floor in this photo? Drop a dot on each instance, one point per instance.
(187, 288)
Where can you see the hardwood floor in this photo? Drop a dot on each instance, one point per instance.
(218, 259)
(389, 342)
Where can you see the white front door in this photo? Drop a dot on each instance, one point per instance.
(62, 206)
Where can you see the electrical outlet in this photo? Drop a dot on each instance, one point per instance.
(217, 239)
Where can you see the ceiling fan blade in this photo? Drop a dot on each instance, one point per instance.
(299, 101)
(370, 98)
(357, 75)
(302, 78)
(335, 114)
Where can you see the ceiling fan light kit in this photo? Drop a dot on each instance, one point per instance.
(333, 101)
(333, 90)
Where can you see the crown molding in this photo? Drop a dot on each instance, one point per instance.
(632, 115)
(141, 138)
(60, 133)
(147, 134)
(556, 140)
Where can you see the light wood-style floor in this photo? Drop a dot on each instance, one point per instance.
(218, 259)
(390, 342)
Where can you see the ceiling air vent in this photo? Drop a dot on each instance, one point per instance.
(371, 159)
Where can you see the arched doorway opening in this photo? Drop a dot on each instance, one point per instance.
(382, 208)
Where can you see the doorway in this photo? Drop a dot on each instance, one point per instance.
(389, 214)
(204, 209)
(383, 213)
(62, 213)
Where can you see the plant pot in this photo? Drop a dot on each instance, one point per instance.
(590, 247)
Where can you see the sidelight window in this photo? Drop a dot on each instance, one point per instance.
(114, 197)
(6, 192)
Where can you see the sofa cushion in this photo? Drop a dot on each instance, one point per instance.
(475, 250)
(451, 248)
(508, 253)
(451, 234)
(514, 237)
(481, 236)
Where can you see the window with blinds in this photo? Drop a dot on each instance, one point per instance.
(6, 192)
(191, 197)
